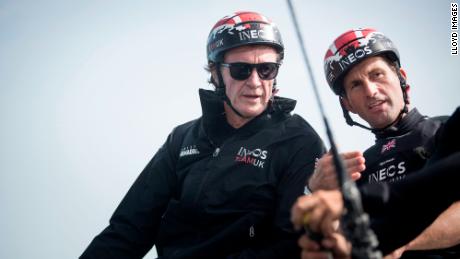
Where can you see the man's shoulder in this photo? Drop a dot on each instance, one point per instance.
(441, 118)
(300, 132)
(429, 127)
(297, 122)
(187, 124)
(424, 129)
(418, 141)
(296, 125)
(429, 120)
(435, 121)
(181, 129)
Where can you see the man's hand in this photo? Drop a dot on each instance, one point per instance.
(396, 253)
(320, 211)
(336, 247)
(325, 177)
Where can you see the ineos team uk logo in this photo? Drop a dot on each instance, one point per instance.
(256, 157)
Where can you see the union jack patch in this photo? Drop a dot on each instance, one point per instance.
(391, 144)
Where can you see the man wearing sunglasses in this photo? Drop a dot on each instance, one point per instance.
(222, 185)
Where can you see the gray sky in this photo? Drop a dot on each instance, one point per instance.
(90, 89)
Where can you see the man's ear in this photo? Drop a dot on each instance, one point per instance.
(346, 104)
(214, 78)
(407, 89)
(403, 73)
(404, 76)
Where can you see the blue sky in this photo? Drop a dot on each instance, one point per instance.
(89, 90)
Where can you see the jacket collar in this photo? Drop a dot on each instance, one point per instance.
(215, 123)
(406, 124)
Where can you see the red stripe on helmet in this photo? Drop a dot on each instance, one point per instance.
(252, 16)
(367, 31)
(328, 54)
(240, 17)
(226, 20)
(345, 39)
(351, 37)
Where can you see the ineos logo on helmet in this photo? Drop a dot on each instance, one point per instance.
(352, 47)
(240, 29)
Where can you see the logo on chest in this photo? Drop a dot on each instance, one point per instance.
(188, 151)
(255, 157)
(389, 145)
(389, 170)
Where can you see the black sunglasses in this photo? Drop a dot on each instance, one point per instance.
(242, 71)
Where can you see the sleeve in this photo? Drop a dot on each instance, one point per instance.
(293, 181)
(134, 224)
(447, 138)
(291, 184)
(402, 210)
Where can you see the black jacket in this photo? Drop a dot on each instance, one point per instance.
(409, 206)
(400, 151)
(396, 155)
(213, 191)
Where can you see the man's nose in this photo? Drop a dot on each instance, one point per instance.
(254, 79)
(370, 88)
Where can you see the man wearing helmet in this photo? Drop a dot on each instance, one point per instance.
(400, 207)
(363, 68)
(222, 185)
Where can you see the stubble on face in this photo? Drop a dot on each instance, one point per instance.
(249, 97)
(373, 91)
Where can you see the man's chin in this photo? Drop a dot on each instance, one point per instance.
(251, 113)
(382, 124)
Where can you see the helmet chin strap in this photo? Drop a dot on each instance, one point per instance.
(220, 90)
(391, 126)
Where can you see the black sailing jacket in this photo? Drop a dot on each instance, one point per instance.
(213, 191)
(404, 208)
(397, 153)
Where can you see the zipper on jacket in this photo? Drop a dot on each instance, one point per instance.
(252, 233)
(214, 155)
(216, 152)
